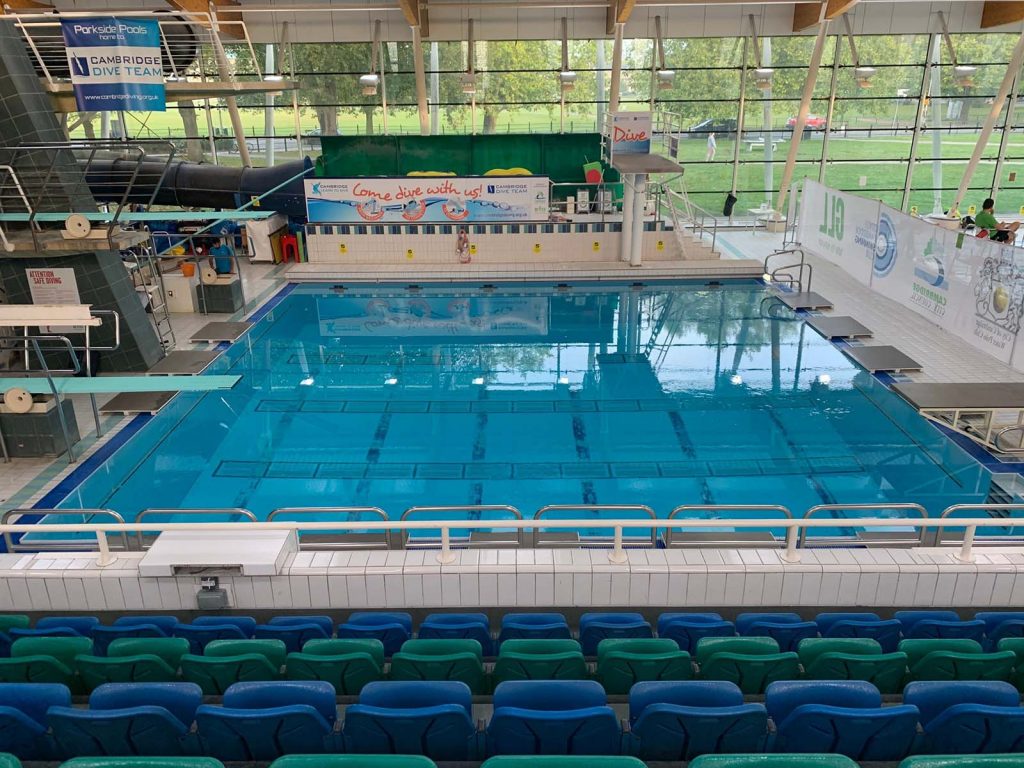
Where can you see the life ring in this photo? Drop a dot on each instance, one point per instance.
(414, 210)
(367, 216)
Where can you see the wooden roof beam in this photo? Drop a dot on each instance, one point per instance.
(995, 14)
(24, 5)
(618, 12)
(806, 15)
(411, 10)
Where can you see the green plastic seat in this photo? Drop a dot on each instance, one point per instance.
(1015, 645)
(347, 664)
(443, 659)
(558, 659)
(145, 668)
(752, 663)
(963, 761)
(852, 658)
(781, 760)
(8, 760)
(142, 762)
(571, 761)
(955, 660)
(226, 662)
(353, 761)
(621, 662)
(341, 645)
(45, 660)
(169, 649)
(13, 621)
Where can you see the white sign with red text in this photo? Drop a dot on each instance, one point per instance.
(631, 133)
(54, 286)
(428, 200)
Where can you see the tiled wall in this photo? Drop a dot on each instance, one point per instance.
(383, 244)
(479, 579)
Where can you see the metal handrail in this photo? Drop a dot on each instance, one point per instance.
(540, 513)
(775, 274)
(446, 529)
(446, 555)
(1005, 431)
(321, 511)
(676, 514)
(140, 532)
(948, 512)
(819, 508)
(56, 545)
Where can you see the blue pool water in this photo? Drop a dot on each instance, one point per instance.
(663, 395)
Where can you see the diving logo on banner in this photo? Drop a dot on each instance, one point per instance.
(885, 247)
(115, 63)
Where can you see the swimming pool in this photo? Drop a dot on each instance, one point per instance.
(660, 395)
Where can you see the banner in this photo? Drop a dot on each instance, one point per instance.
(970, 287)
(54, 286)
(631, 133)
(115, 63)
(428, 200)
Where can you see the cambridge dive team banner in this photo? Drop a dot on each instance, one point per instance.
(115, 63)
(973, 288)
(427, 199)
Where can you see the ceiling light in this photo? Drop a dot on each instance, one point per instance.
(736, 379)
(469, 83)
(763, 76)
(568, 79)
(963, 75)
(478, 380)
(369, 84)
(863, 76)
(391, 382)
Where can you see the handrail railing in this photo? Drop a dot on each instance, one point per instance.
(540, 515)
(777, 275)
(616, 555)
(678, 512)
(61, 545)
(906, 507)
(446, 530)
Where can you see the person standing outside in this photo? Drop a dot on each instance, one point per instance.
(712, 148)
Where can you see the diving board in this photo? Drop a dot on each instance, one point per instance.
(220, 331)
(33, 315)
(133, 403)
(882, 358)
(183, 362)
(840, 327)
(107, 385)
(804, 300)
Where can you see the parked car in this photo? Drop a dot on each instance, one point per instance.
(814, 122)
(721, 127)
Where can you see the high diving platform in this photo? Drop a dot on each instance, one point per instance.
(991, 415)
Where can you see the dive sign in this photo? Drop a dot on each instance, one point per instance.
(115, 63)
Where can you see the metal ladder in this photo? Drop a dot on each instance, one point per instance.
(144, 268)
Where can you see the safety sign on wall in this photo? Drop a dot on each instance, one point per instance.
(115, 63)
(54, 286)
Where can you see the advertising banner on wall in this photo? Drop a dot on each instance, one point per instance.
(971, 287)
(428, 200)
(842, 228)
(115, 63)
(631, 133)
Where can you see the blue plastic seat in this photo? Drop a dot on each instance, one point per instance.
(687, 629)
(939, 625)
(294, 634)
(17, 633)
(23, 727)
(788, 629)
(263, 721)
(81, 624)
(1001, 624)
(206, 629)
(844, 717)
(595, 627)
(968, 717)
(861, 625)
(163, 622)
(676, 721)
(103, 636)
(326, 623)
(458, 626)
(391, 628)
(129, 719)
(552, 717)
(533, 626)
(413, 718)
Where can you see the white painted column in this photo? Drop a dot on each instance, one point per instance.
(268, 110)
(627, 218)
(1012, 70)
(637, 236)
(613, 96)
(421, 82)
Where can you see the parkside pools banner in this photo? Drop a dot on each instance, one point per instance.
(631, 133)
(115, 63)
(428, 200)
(973, 288)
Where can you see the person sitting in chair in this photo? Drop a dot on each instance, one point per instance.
(1003, 232)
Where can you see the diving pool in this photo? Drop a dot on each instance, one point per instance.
(523, 395)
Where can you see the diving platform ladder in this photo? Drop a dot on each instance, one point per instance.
(144, 268)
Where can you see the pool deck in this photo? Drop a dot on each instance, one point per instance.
(944, 357)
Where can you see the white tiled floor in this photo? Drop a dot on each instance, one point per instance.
(24, 481)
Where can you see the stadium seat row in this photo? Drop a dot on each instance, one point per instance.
(534, 761)
(668, 721)
(394, 628)
(348, 665)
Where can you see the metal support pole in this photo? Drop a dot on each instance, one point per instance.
(618, 554)
(268, 110)
(105, 557)
(966, 554)
(915, 139)
(1004, 140)
(636, 251)
(627, 218)
(1012, 70)
(599, 84)
(805, 108)
(740, 121)
(435, 90)
(613, 96)
(446, 556)
(791, 554)
(224, 70)
(831, 106)
(421, 82)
